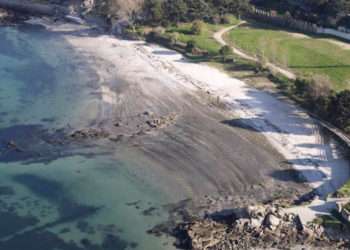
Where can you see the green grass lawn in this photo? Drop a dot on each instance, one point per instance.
(344, 191)
(205, 40)
(305, 56)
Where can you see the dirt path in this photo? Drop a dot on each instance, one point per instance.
(218, 36)
(320, 206)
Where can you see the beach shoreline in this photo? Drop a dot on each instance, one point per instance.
(162, 78)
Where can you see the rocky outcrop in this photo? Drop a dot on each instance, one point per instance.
(89, 134)
(265, 226)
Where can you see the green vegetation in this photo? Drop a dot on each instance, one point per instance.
(322, 12)
(344, 191)
(347, 206)
(322, 67)
(305, 56)
(172, 12)
(197, 27)
(328, 221)
(226, 53)
(204, 39)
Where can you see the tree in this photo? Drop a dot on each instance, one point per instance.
(225, 52)
(320, 86)
(197, 27)
(190, 46)
(340, 110)
(154, 10)
(176, 10)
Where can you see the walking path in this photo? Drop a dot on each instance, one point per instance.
(319, 206)
(309, 212)
(218, 36)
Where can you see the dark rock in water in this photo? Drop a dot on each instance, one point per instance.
(11, 144)
(85, 242)
(11, 223)
(4, 190)
(112, 242)
(133, 244)
(45, 240)
(65, 230)
(83, 226)
(48, 120)
(35, 240)
(149, 212)
(53, 191)
(35, 144)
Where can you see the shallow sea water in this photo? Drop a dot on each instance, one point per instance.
(63, 198)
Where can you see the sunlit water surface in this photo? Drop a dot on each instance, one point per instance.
(63, 198)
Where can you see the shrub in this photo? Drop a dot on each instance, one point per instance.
(216, 19)
(197, 27)
(340, 110)
(225, 52)
(174, 37)
(190, 46)
(320, 86)
(225, 19)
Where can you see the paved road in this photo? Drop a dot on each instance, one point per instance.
(218, 36)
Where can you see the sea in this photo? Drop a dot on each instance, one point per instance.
(55, 195)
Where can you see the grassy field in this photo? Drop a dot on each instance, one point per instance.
(345, 190)
(205, 40)
(306, 56)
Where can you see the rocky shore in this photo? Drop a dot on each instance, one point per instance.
(263, 226)
(195, 148)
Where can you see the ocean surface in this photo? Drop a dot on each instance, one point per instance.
(57, 196)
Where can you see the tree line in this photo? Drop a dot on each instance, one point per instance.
(163, 12)
(322, 12)
(319, 98)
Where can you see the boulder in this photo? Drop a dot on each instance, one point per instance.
(256, 222)
(298, 223)
(256, 211)
(271, 221)
(242, 224)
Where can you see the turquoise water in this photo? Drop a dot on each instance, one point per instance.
(53, 196)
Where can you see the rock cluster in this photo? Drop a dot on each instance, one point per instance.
(162, 121)
(143, 123)
(89, 133)
(260, 227)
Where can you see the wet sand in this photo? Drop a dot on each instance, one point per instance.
(173, 128)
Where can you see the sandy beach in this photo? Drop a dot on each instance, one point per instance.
(216, 135)
(297, 136)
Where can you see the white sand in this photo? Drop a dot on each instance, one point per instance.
(288, 128)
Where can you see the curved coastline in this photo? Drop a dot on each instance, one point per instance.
(193, 132)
